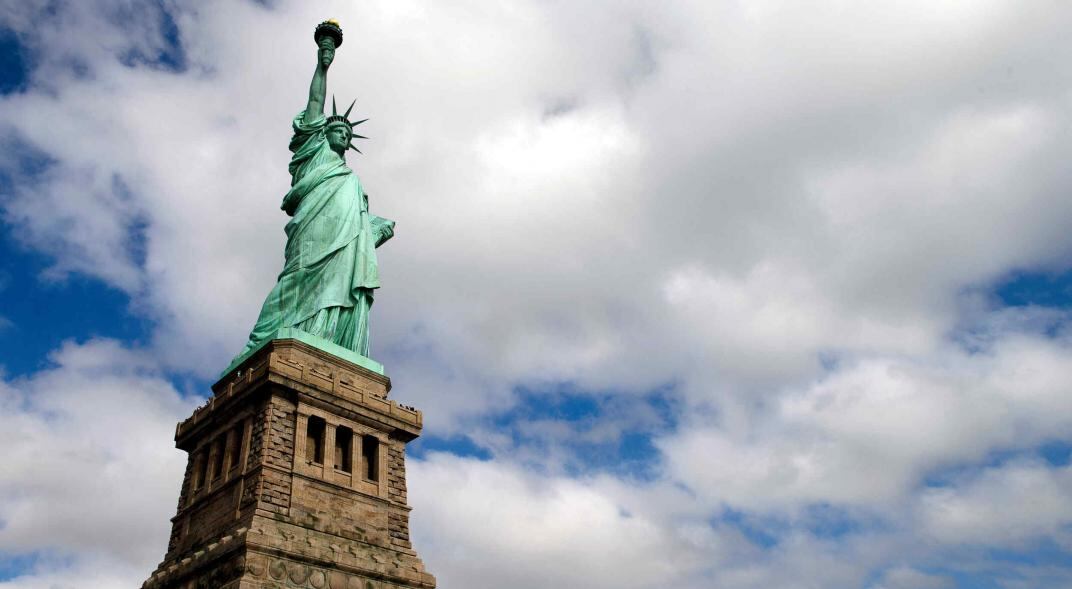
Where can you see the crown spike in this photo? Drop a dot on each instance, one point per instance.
(334, 111)
(359, 137)
(358, 122)
(346, 115)
(353, 147)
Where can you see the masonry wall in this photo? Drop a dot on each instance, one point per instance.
(398, 517)
(275, 481)
(210, 506)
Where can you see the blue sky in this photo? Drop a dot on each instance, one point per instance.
(49, 312)
(716, 295)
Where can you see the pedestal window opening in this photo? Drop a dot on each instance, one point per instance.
(344, 453)
(217, 456)
(370, 463)
(235, 450)
(314, 440)
(200, 469)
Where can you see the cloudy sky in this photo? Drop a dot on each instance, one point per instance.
(714, 294)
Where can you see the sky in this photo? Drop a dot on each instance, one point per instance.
(734, 294)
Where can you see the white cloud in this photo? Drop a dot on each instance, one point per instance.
(869, 432)
(909, 578)
(513, 528)
(510, 526)
(90, 473)
(1001, 506)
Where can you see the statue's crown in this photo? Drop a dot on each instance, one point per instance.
(344, 118)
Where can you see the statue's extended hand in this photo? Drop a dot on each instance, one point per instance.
(384, 229)
(386, 232)
(326, 53)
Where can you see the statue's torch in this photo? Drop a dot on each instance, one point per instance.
(328, 29)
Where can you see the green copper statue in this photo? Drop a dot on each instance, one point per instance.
(326, 286)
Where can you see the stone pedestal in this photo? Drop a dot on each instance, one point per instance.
(296, 478)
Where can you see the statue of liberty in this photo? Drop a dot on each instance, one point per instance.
(329, 274)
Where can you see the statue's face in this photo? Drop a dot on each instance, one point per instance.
(338, 137)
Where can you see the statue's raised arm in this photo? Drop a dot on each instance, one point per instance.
(327, 40)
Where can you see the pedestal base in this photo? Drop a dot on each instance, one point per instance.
(270, 556)
(296, 478)
(317, 342)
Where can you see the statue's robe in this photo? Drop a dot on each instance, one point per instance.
(330, 273)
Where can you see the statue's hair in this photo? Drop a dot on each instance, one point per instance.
(343, 119)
